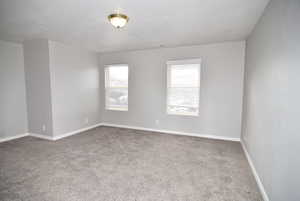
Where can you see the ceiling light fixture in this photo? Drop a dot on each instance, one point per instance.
(118, 20)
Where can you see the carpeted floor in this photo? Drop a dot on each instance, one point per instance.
(112, 164)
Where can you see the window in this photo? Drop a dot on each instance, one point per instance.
(116, 87)
(183, 87)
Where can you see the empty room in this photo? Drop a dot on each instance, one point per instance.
(161, 100)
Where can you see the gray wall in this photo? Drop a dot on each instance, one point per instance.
(74, 88)
(37, 75)
(220, 97)
(271, 103)
(13, 115)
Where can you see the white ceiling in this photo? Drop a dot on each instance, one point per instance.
(152, 23)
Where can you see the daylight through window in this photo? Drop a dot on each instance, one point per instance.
(183, 87)
(116, 87)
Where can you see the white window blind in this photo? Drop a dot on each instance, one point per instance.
(116, 87)
(183, 87)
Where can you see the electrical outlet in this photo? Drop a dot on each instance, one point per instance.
(44, 127)
(86, 120)
(157, 122)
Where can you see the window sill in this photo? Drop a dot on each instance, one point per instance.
(117, 109)
(183, 114)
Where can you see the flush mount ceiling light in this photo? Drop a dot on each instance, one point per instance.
(118, 20)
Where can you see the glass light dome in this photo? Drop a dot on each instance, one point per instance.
(118, 20)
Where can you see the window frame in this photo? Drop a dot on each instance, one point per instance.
(170, 63)
(106, 91)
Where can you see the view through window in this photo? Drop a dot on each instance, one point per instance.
(116, 87)
(183, 87)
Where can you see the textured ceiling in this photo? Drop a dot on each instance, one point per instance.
(152, 23)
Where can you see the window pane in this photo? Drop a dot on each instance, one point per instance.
(183, 88)
(116, 86)
(183, 100)
(183, 110)
(185, 75)
(118, 76)
(184, 96)
(117, 98)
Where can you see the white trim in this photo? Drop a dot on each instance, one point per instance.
(5, 139)
(45, 137)
(54, 138)
(117, 109)
(76, 132)
(58, 137)
(116, 64)
(256, 176)
(173, 132)
(184, 61)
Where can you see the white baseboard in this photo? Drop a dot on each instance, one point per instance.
(76, 132)
(257, 178)
(173, 132)
(53, 138)
(5, 139)
(45, 137)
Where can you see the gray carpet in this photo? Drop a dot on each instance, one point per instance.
(112, 164)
